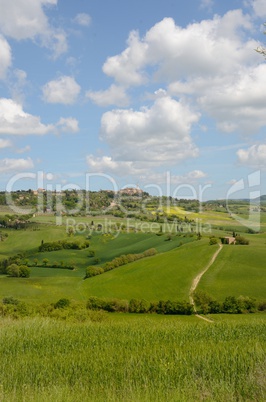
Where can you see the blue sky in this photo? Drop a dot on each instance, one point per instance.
(168, 95)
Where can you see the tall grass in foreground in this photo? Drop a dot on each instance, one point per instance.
(147, 360)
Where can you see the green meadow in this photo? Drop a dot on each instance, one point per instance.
(75, 354)
(239, 270)
(165, 276)
(141, 359)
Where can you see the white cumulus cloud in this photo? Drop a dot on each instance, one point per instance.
(255, 156)
(126, 67)
(157, 135)
(240, 104)
(8, 165)
(115, 95)
(204, 48)
(147, 138)
(5, 57)
(68, 124)
(26, 19)
(63, 90)
(14, 120)
(107, 164)
(259, 7)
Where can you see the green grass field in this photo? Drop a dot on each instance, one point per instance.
(132, 360)
(238, 270)
(80, 355)
(165, 276)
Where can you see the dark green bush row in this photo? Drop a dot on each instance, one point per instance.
(55, 265)
(63, 244)
(118, 262)
(63, 309)
(231, 305)
(140, 306)
(96, 308)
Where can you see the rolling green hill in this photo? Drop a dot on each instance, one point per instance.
(165, 276)
(238, 270)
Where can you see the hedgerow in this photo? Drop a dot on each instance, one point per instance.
(63, 244)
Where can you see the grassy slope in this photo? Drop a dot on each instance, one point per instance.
(238, 270)
(108, 247)
(50, 284)
(28, 240)
(165, 276)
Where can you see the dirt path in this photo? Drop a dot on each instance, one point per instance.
(198, 278)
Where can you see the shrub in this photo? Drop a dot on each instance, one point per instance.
(242, 240)
(213, 240)
(62, 303)
(24, 271)
(18, 271)
(93, 271)
(262, 306)
(63, 244)
(10, 300)
(231, 305)
(13, 270)
(247, 304)
(94, 303)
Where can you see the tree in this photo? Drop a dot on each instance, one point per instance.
(24, 271)
(261, 49)
(13, 270)
(18, 271)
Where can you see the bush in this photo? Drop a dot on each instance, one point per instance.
(10, 300)
(94, 303)
(63, 244)
(139, 306)
(242, 240)
(91, 253)
(93, 271)
(62, 303)
(13, 270)
(18, 271)
(213, 240)
(24, 271)
(231, 305)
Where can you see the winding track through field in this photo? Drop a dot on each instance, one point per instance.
(196, 282)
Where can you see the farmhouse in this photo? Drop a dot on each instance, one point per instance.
(228, 240)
